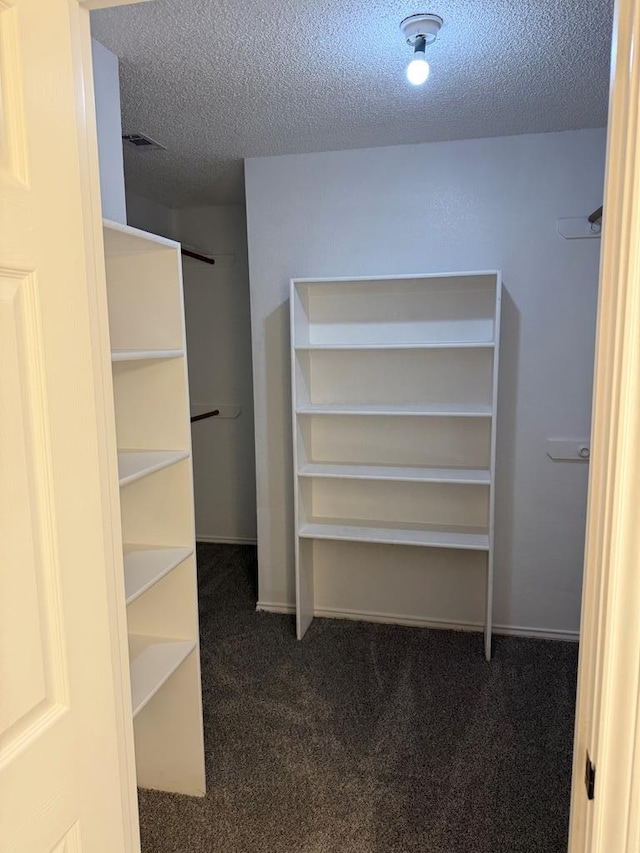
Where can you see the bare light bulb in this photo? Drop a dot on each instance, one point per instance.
(418, 71)
(418, 68)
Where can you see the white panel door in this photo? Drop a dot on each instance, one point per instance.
(65, 784)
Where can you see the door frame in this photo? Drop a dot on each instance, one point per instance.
(608, 707)
(82, 62)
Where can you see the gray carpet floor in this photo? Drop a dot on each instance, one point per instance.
(368, 738)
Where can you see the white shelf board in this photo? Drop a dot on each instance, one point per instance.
(152, 661)
(357, 530)
(135, 464)
(125, 240)
(419, 276)
(404, 473)
(145, 565)
(144, 354)
(426, 410)
(395, 346)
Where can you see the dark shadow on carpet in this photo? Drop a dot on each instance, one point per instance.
(368, 738)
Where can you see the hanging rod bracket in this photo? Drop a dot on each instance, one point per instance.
(578, 228)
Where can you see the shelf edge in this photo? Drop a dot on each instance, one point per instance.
(187, 646)
(160, 466)
(469, 481)
(118, 355)
(388, 540)
(170, 567)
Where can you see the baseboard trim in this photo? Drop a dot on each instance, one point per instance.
(418, 622)
(274, 607)
(537, 633)
(395, 619)
(227, 540)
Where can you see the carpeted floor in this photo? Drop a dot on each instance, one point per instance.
(368, 738)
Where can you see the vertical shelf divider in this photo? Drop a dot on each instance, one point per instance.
(488, 622)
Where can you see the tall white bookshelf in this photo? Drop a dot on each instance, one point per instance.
(146, 325)
(394, 388)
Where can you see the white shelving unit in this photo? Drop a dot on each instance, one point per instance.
(146, 324)
(394, 385)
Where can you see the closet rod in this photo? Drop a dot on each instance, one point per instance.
(197, 256)
(205, 415)
(596, 215)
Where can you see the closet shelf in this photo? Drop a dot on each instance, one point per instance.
(152, 661)
(122, 240)
(151, 399)
(426, 410)
(145, 354)
(135, 464)
(145, 565)
(357, 530)
(394, 346)
(394, 394)
(397, 473)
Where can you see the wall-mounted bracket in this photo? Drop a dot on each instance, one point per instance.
(568, 449)
(579, 228)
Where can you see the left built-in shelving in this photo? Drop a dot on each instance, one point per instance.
(148, 352)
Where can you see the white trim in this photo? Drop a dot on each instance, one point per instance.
(82, 60)
(424, 622)
(275, 607)
(227, 540)
(560, 634)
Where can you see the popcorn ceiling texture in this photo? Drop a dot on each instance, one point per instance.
(220, 81)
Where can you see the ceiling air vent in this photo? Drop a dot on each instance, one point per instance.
(141, 140)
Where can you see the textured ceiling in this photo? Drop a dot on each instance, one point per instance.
(219, 80)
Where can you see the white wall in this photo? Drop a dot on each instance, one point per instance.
(464, 205)
(219, 351)
(219, 343)
(149, 215)
(107, 94)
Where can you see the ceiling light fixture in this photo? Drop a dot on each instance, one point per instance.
(419, 31)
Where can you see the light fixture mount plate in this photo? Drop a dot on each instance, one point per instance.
(426, 26)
